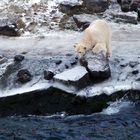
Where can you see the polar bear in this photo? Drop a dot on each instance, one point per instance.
(97, 37)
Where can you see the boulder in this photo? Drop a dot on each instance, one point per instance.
(48, 75)
(97, 66)
(8, 27)
(129, 17)
(77, 77)
(125, 5)
(18, 58)
(24, 76)
(129, 5)
(87, 6)
(133, 64)
(95, 6)
(134, 5)
(83, 20)
(70, 7)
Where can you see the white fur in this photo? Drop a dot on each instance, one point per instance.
(97, 37)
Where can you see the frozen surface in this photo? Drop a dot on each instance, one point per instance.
(73, 74)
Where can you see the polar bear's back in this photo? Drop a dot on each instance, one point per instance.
(100, 30)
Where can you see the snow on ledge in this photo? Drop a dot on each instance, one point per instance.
(73, 74)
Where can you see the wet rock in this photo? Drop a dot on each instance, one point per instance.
(133, 64)
(24, 76)
(9, 28)
(95, 6)
(18, 58)
(73, 61)
(48, 75)
(125, 5)
(97, 66)
(83, 20)
(77, 77)
(138, 79)
(66, 66)
(57, 62)
(70, 7)
(135, 72)
(124, 65)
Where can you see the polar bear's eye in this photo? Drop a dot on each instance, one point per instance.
(84, 48)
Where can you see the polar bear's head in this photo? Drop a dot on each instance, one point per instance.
(80, 49)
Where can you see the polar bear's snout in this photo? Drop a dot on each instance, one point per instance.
(80, 49)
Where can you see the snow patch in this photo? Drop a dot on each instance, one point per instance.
(73, 74)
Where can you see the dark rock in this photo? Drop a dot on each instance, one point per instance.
(95, 6)
(133, 64)
(73, 61)
(119, 1)
(53, 100)
(69, 54)
(8, 28)
(134, 5)
(129, 5)
(135, 72)
(124, 65)
(97, 66)
(125, 7)
(66, 66)
(18, 58)
(70, 7)
(138, 79)
(83, 20)
(76, 77)
(130, 17)
(24, 76)
(48, 75)
(57, 62)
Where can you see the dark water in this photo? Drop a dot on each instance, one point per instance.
(124, 125)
